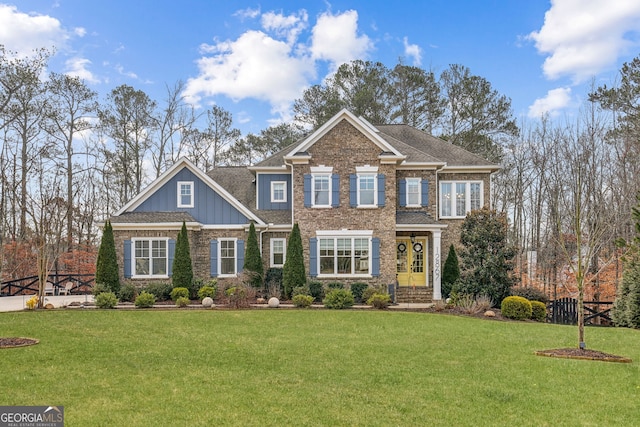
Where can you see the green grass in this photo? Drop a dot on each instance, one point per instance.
(313, 367)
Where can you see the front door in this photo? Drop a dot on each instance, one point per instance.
(411, 261)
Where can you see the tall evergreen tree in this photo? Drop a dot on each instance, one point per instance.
(487, 257)
(182, 268)
(107, 263)
(450, 272)
(252, 259)
(293, 273)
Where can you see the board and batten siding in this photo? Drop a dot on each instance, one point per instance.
(264, 181)
(209, 206)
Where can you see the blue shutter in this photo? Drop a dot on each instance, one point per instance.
(127, 258)
(313, 257)
(381, 193)
(353, 190)
(239, 256)
(307, 190)
(425, 192)
(335, 190)
(375, 257)
(171, 251)
(402, 192)
(213, 258)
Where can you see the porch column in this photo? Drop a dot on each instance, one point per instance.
(437, 271)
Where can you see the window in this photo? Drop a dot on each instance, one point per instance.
(278, 191)
(278, 250)
(185, 194)
(227, 257)
(367, 189)
(459, 198)
(344, 255)
(413, 191)
(321, 190)
(150, 257)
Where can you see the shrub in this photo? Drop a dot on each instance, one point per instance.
(273, 282)
(302, 301)
(179, 293)
(183, 301)
(106, 300)
(371, 290)
(335, 285)
(450, 272)
(293, 272)
(300, 290)
(99, 288)
(206, 291)
(483, 302)
(32, 302)
(357, 289)
(252, 259)
(532, 294)
(316, 290)
(379, 301)
(515, 307)
(145, 300)
(182, 267)
(538, 311)
(338, 299)
(240, 296)
(160, 290)
(107, 261)
(128, 293)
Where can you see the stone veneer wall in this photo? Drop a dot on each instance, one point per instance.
(333, 150)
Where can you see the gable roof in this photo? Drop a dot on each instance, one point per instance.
(170, 173)
(360, 124)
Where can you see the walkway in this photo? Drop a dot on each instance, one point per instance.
(18, 303)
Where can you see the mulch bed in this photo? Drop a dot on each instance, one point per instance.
(12, 342)
(586, 354)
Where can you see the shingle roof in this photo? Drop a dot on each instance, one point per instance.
(151, 217)
(411, 218)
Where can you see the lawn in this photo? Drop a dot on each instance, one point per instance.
(313, 367)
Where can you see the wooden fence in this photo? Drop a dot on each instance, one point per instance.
(565, 311)
(82, 284)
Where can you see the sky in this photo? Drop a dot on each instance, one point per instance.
(255, 58)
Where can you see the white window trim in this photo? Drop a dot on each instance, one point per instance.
(191, 186)
(467, 197)
(375, 189)
(314, 176)
(342, 234)
(284, 192)
(419, 181)
(284, 248)
(235, 257)
(133, 258)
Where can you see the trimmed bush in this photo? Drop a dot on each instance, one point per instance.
(357, 289)
(99, 288)
(179, 293)
(206, 291)
(253, 260)
(371, 290)
(338, 299)
(145, 300)
(293, 271)
(162, 291)
(302, 301)
(538, 311)
(335, 285)
(106, 300)
(517, 308)
(182, 266)
(183, 301)
(379, 301)
(316, 290)
(128, 293)
(300, 290)
(107, 261)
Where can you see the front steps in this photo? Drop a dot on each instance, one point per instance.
(414, 294)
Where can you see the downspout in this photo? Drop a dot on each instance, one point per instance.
(292, 189)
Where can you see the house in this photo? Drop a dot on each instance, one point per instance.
(375, 204)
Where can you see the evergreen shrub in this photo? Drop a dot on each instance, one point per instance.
(538, 311)
(338, 299)
(379, 301)
(183, 301)
(514, 307)
(357, 289)
(302, 301)
(179, 293)
(160, 290)
(145, 300)
(206, 291)
(128, 293)
(106, 300)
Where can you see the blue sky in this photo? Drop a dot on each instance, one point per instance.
(255, 58)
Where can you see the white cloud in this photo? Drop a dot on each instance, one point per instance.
(78, 67)
(581, 38)
(22, 33)
(247, 13)
(335, 38)
(413, 51)
(253, 66)
(551, 104)
(272, 64)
